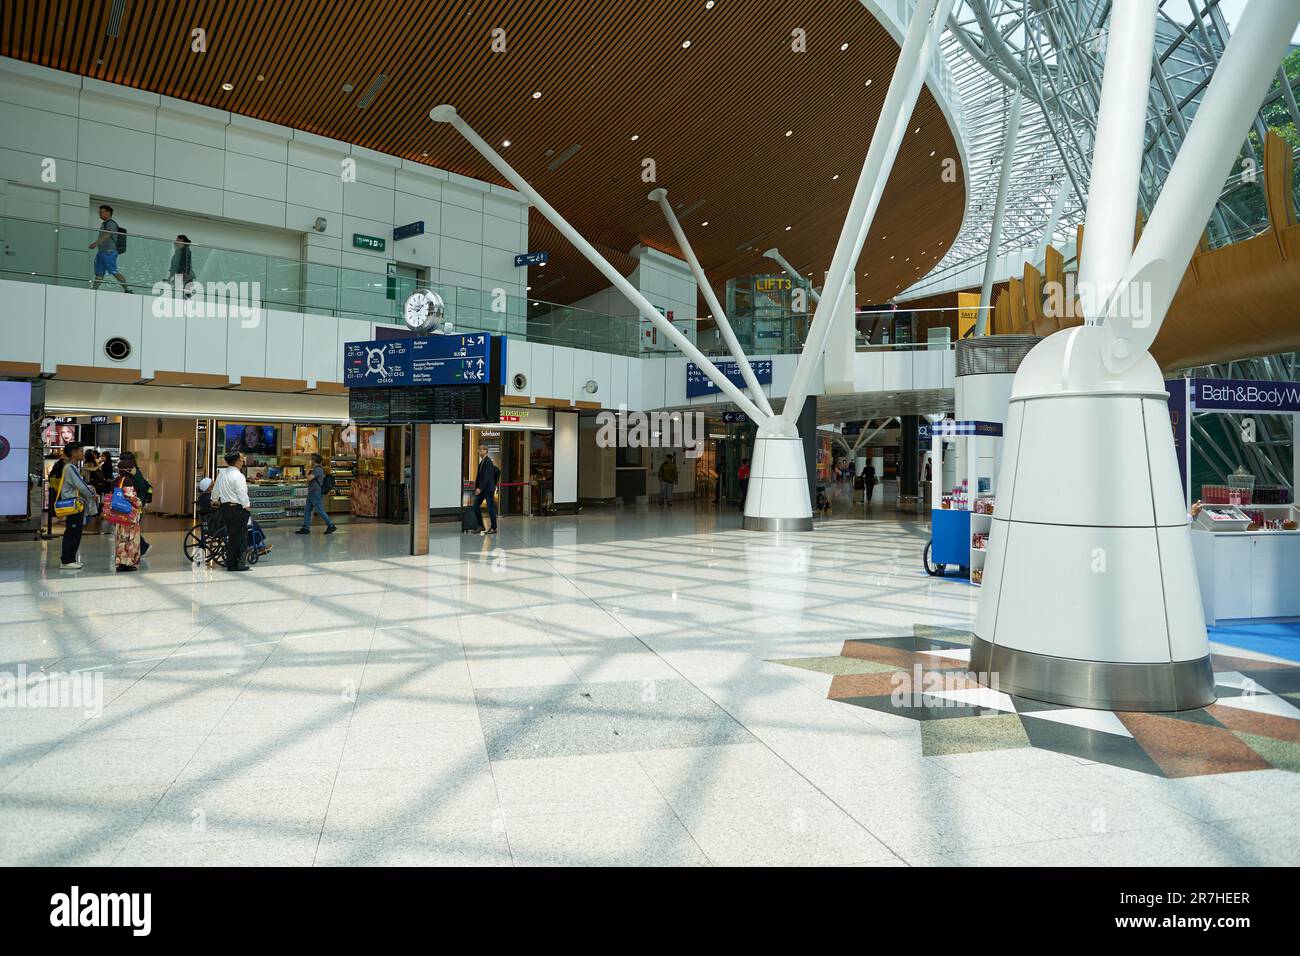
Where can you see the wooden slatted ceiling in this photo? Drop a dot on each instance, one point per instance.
(713, 117)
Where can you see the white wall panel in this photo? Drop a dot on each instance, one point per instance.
(582, 372)
(320, 349)
(246, 347)
(24, 328)
(562, 373)
(444, 465)
(283, 344)
(205, 345)
(71, 317)
(163, 344)
(541, 382)
(566, 457)
(254, 176)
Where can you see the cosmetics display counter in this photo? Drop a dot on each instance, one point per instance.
(1248, 561)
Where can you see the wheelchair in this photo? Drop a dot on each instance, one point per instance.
(205, 543)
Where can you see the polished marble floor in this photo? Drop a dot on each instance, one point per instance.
(620, 687)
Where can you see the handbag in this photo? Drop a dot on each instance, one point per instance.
(66, 507)
(111, 516)
(121, 504)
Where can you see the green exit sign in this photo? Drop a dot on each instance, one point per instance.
(367, 242)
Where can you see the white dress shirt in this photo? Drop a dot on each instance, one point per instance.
(231, 487)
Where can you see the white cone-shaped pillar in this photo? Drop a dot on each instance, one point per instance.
(1090, 596)
(777, 498)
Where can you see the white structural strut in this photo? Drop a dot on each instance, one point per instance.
(904, 87)
(447, 114)
(775, 255)
(1117, 153)
(660, 196)
(999, 211)
(1192, 187)
(1049, 228)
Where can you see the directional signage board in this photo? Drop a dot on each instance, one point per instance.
(432, 360)
(410, 229)
(532, 258)
(697, 383)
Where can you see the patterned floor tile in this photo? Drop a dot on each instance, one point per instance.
(1255, 725)
(959, 736)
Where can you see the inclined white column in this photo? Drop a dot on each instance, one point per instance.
(999, 208)
(1117, 154)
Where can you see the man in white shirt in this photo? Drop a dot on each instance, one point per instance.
(231, 494)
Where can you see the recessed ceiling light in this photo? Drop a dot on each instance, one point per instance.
(260, 78)
(868, 82)
(709, 6)
(891, 257)
(347, 87)
(424, 154)
(537, 94)
(788, 228)
(528, 288)
(931, 152)
(705, 223)
(843, 47)
(789, 132)
(836, 176)
(917, 130)
(685, 44)
(227, 86)
(505, 143)
(635, 137)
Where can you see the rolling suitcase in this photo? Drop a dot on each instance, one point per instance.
(470, 520)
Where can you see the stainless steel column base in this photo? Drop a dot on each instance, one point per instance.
(777, 524)
(1102, 685)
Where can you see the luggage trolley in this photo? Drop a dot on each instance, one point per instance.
(960, 520)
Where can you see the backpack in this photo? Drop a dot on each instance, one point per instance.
(143, 489)
(119, 238)
(327, 484)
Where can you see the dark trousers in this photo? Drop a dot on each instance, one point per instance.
(871, 488)
(74, 525)
(491, 503)
(744, 490)
(235, 518)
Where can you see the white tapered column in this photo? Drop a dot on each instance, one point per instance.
(999, 210)
(1117, 153)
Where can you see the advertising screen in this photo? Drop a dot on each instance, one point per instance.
(250, 439)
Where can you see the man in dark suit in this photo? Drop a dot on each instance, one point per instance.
(485, 486)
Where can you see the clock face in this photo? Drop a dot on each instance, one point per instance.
(423, 310)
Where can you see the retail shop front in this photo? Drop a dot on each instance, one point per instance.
(1245, 536)
(180, 435)
(522, 444)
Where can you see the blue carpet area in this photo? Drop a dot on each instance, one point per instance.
(1280, 640)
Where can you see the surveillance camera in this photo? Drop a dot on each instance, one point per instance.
(320, 224)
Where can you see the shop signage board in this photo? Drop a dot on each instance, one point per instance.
(1228, 395)
(697, 383)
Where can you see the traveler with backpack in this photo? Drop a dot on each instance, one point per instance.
(109, 244)
(74, 502)
(318, 486)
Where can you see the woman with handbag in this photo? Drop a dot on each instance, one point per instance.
(122, 509)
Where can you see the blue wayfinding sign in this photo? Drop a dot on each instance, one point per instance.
(432, 360)
(697, 383)
(409, 230)
(531, 258)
